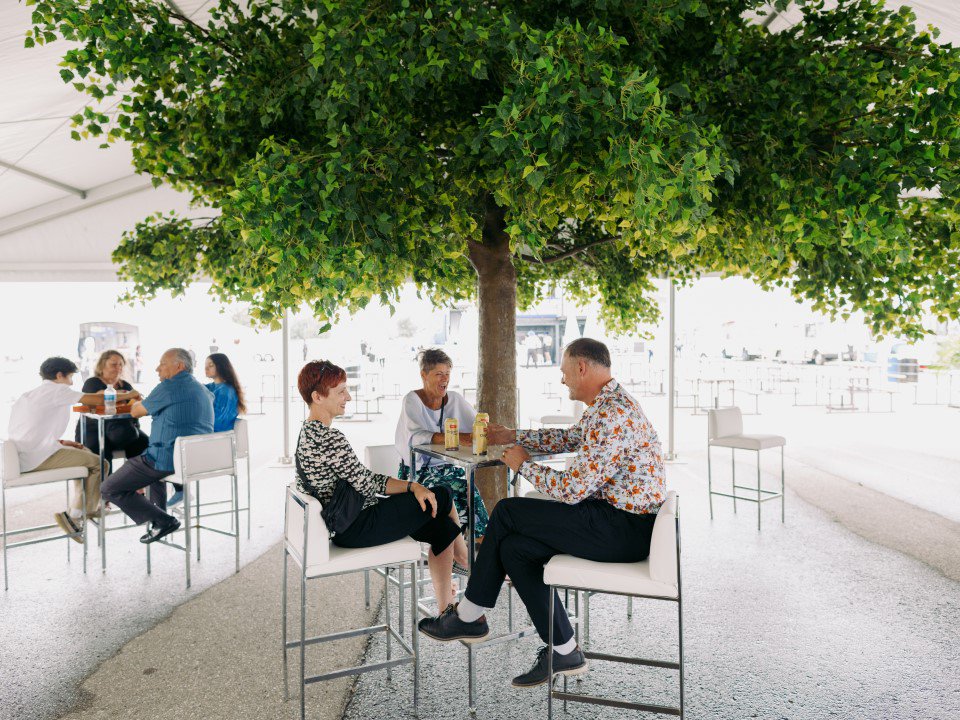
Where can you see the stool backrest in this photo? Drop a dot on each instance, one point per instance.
(304, 511)
(200, 456)
(382, 459)
(10, 469)
(663, 543)
(558, 420)
(724, 422)
(242, 430)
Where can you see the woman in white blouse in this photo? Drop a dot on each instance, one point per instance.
(421, 422)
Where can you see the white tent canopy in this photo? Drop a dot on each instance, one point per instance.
(65, 204)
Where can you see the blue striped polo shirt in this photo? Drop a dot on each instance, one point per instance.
(178, 406)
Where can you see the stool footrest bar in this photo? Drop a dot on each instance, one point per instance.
(631, 660)
(338, 635)
(358, 670)
(593, 700)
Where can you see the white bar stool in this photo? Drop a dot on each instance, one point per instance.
(196, 458)
(725, 429)
(656, 578)
(11, 477)
(307, 542)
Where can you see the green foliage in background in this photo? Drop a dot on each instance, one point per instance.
(347, 146)
(948, 352)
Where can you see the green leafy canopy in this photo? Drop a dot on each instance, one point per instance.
(345, 147)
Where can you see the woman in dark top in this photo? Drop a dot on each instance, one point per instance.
(324, 456)
(124, 434)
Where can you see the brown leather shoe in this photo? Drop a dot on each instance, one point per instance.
(69, 526)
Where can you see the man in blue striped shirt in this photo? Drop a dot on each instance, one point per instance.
(179, 406)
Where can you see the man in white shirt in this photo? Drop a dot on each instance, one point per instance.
(39, 419)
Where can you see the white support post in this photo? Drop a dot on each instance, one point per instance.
(671, 372)
(285, 458)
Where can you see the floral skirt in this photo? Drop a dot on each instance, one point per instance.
(455, 479)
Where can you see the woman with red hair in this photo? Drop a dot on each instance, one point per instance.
(324, 456)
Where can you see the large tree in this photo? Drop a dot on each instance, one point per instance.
(485, 148)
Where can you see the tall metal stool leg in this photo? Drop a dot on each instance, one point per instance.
(248, 495)
(400, 600)
(709, 481)
(67, 495)
(680, 632)
(3, 499)
(101, 438)
(366, 589)
(83, 519)
(303, 637)
(783, 490)
(386, 614)
(283, 625)
(759, 501)
(186, 529)
(551, 592)
(733, 475)
(630, 607)
(415, 637)
(471, 681)
(198, 516)
(586, 618)
(236, 515)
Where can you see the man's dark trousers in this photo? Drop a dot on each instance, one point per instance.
(121, 490)
(524, 533)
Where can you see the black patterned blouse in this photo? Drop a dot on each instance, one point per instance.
(324, 456)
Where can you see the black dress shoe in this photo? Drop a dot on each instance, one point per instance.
(449, 626)
(155, 532)
(572, 663)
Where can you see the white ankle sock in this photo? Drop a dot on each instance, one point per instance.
(470, 611)
(566, 648)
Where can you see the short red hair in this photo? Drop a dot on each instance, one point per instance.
(319, 375)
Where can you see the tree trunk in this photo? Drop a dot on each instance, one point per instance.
(497, 371)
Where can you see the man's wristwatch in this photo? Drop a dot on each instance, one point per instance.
(409, 486)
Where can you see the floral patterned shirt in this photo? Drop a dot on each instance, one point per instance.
(618, 456)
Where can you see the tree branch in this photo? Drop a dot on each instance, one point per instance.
(567, 253)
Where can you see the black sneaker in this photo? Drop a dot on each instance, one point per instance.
(448, 626)
(573, 663)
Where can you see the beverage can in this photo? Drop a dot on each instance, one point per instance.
(479, 437)
(451, 434)
(484, 417)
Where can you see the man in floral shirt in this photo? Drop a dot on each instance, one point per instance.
(607, 504)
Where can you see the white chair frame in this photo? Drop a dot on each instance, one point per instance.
(610, 702)
(411, 650)
(761, 495)
(8, 452)
(222, 464)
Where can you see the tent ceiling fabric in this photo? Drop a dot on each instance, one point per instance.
(47, 230)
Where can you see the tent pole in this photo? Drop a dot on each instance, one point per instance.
(671, 371)
(285, 458)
